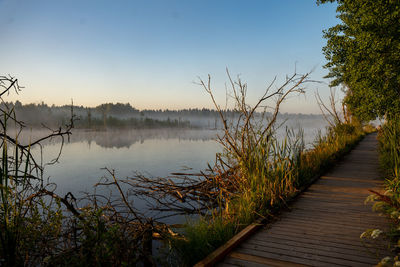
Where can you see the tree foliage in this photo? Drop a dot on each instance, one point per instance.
(363, 53)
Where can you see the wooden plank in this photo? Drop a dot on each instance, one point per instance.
(302, 258)
(324, 225)
(317, 237)
(304, 262)
(351, 224)
(319, 191)
(223, 250)
(350, 174)
(329, 228)
(343, 189)
(228, 264)
(338, 254)
(244, 263)
(318, 234)
(320, 212)
(330, 199)
(314, 209)
(333, 215)
(355, 170)
(338, 218)
(303, 223)
(264, 261)
(337, 204)
(323, 246)
(333, 197)
(320, 242)
(351, 184)
(345, 220)
(337, 208)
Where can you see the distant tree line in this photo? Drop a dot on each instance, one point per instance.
(119, 115)
(100, 117)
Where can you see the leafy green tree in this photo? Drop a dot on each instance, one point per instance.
(363, 54)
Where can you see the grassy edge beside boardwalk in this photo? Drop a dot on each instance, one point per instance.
(255, 176)
(266, 190)
(388, 203)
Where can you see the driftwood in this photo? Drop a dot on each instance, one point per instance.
(23, 186)
(201, 193)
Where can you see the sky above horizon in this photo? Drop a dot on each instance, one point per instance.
(151, 53)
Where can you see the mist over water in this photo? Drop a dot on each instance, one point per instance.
(156, 152)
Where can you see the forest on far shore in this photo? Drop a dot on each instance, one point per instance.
(119, 115)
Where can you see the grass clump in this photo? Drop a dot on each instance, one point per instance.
(389, 202)
(264, 190)
(40, 228)
(265, 171)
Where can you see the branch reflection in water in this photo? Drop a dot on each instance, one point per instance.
(155, 153)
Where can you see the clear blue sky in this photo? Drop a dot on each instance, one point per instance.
(150, 53)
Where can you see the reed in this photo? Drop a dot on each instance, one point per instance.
(27, 223)
(267, 170)
(277, 171)
(40, 228)
(255, 176)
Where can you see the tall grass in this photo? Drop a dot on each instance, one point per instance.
(389, 141)
(275, 173)
(389, 202)
(36, 230)
(40, 228)
(26, 223)
(254, 177)
(265, 169)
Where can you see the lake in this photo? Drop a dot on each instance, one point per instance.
(151, 152)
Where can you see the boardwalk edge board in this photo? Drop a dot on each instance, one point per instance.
(225, 249)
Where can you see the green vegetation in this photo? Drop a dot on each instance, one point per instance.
(363, 54)
(26, 223)
(130, 123)
(258, 173)
(40, 228)
(104, 116)
(124, 116)
(389, 202)
(275, 177)
(254, 177)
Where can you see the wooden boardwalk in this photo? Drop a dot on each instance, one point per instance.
(324, 225)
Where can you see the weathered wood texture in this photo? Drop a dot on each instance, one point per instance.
(324, 225)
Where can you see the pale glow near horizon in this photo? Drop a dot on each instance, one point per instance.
(149, 54)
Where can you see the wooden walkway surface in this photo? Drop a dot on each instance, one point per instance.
(324, 225)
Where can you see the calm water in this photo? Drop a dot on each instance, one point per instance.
(127, 152)
(151, 152)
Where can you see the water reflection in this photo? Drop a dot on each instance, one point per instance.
(124, 138)
(155, 153)
(151, 152)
